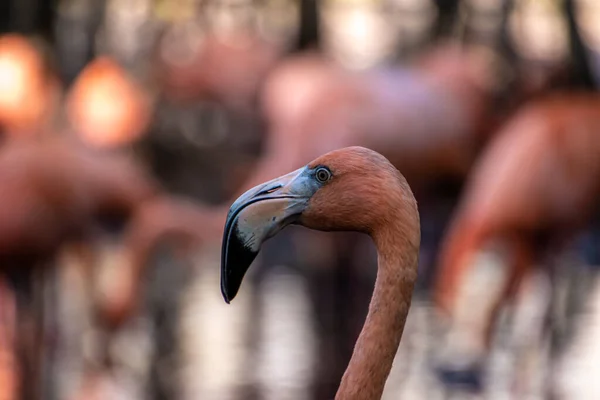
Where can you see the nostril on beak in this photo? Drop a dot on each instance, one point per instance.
(269, 190)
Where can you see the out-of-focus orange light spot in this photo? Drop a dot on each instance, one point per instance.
(24, 95)
(105, 107)
(12, 80)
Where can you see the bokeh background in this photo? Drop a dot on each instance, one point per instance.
(210, 97)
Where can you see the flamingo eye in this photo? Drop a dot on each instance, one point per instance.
(322, 174)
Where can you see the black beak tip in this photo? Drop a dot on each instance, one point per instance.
(224, 294)
(236, 258)
(224, 291)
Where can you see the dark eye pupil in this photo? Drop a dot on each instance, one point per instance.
(322, 175)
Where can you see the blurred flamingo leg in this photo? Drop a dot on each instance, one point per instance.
(481, 280)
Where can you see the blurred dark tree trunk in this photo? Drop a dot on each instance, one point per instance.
(583, 76)
(75, 31)
(4, 16)
(505, 45)
(28, 17)
(308, 37)
(447, 13)
(46, 19)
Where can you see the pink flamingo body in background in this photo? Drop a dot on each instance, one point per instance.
(539, 179)
(427, 120)
(57, 191)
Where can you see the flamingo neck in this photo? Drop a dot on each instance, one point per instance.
(379, 339)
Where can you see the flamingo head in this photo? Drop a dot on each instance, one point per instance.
(350, 189)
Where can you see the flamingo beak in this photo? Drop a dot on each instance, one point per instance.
(256, 216)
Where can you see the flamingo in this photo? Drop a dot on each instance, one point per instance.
(350, 189)
(56, 192)
(539, 181)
